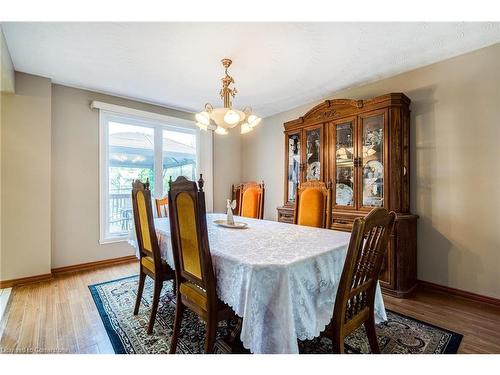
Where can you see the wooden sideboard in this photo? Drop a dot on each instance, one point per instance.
(362, 147)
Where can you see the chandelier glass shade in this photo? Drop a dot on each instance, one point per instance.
(221, 119)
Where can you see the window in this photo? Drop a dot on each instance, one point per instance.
(182, 162)
(134, 147)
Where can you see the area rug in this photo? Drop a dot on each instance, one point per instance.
(115, 302)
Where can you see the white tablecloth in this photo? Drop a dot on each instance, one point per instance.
(280, 278)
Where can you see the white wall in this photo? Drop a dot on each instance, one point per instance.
(455, 183)
(25, 170)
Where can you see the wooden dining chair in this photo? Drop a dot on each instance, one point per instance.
(161, 207)
(252, 200)
(236, 196)
(193, 263)
(313, 204)
(151, 263)
(355, 300)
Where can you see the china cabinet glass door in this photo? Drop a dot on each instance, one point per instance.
(372, 160)
(312, 158)
(343, 134)
(293, 161)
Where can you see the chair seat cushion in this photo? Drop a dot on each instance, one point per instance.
(195, 294)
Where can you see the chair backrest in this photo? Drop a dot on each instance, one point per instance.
(143, 222)
(252, 200)
(313, 204)
(367, 247)
(162, 207)
(236, 196)
(188, 229)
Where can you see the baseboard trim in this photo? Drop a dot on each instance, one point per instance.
(459, 293)
(92, 265)
(399, 294)
(24, 280)
(67, 269)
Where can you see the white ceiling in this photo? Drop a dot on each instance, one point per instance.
(276, 66)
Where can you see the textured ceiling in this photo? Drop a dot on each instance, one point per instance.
(276, 66)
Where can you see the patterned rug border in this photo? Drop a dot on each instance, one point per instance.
(116, 343)
(453, 344)
(451, 348)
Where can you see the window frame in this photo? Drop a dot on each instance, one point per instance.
(157, 122)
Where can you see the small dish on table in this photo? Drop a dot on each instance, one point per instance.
(236, 225)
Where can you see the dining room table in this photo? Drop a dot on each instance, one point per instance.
(280, 278)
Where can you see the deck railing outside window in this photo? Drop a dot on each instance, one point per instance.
(120, 211)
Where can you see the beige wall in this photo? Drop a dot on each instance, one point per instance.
(455, 184)
(46, 126)
(6, 86)
(455, 127)
(25, 170)
(75, 177)
(6, 67)
(227, 171)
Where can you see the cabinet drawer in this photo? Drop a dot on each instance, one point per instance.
(285, 214)
(341, 223)
(285, 217)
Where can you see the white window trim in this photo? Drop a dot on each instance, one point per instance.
(204, 146)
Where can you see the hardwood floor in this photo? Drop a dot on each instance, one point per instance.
(59, 316)
(479, 323)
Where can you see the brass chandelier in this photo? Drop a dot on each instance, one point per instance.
(222, 119)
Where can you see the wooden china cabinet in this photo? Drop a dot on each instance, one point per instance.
(360, 147)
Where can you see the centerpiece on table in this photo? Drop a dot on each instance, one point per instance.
(229, 222)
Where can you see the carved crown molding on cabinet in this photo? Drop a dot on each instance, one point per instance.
(333, 109)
